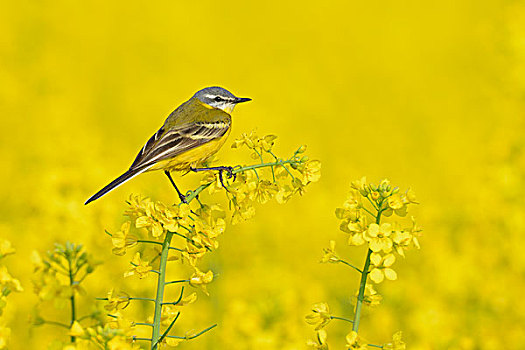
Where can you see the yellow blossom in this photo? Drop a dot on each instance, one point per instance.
(353, 343)
(320, 342)
(152, 225)
(243, 211)
(5, 335)
(381, 267)
(120, 343)
(330, 255)
(7, 281)
(284, 194)
(122, 239)
(138, 267)
(397, 342)
(320, 316)
(361, 186)
(76, 330)
(311, 171)
(401, 239)
(378, 237)
(201, 279)
(173, 342)
(249, 140)
(264, 191)
(395, 204)
(6, 248)
(371, 297)
(116, 300)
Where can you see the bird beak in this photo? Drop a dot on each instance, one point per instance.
(242, 99)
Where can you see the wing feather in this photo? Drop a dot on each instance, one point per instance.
(177, 140)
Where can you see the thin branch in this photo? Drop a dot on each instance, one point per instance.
(193, 336)
(178, 300)
(167, 330)
(352, 266)
(177, 281)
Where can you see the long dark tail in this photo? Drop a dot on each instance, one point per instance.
(128, 175)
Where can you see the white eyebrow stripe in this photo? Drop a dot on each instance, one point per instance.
(229, 99)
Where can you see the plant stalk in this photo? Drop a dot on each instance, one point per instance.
(155, 335)
(362, 284)
(72, 298)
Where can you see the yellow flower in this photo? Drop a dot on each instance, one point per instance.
(329, 254)
(152, 225)
(361, 186)
(267, 142)
(7, 281)
(138, 267)
(6, 248)
(168, 314)
(116, 300)
(415, 230)
(136, 205)
(371, 297)
(5, 335)
(351, 208)
(264, 191)
(311, 171)
(378, 237)
(118, 322)
(402, 239)
(243, 211)
(320, 342)
(120, 343)
(397, 342)
(76, 330)
(352, 342)
(381, 267)
(249, 140)
(320, 316)
(201, 279)
(122, 239)
(173, 342)
(395, 205)
(284, 194)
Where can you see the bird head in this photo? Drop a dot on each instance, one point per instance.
(217, 97)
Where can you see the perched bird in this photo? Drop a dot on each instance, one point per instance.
(190, 135)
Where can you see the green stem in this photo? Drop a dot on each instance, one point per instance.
(352, 266)
(362, 284)
(72, 298)
(54, 323)
(155, 335)
(201, 188)
(341, 318)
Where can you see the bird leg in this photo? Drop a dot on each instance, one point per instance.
(221, 169)
(181, 196)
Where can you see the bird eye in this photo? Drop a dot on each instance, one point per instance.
(218, 98)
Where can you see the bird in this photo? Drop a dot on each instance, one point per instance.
(190, 135)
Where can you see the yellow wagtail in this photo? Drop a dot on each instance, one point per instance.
(190, 135)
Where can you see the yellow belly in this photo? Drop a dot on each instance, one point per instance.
(192, 158)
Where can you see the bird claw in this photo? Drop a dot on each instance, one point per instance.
(229, 170)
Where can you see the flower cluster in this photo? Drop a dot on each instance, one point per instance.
(8, 284)
(383, 239)
(187, 231)
(360, 217)
(272, 177)
(58, 276)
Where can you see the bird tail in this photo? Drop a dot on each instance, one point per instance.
(128, 175)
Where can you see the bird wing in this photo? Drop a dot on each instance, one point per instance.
(169, 142)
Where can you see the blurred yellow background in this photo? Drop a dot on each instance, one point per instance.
(427, 94)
